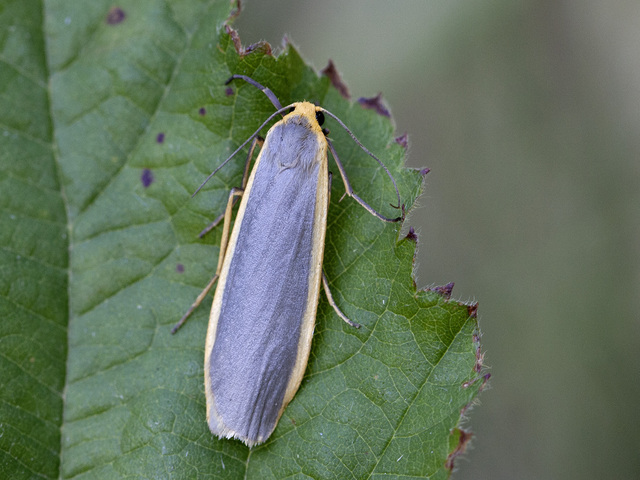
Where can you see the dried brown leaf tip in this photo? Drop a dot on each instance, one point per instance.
(412, 235)
(479, 355)
(264, 47)
(235, 38)
(375, 103)
(444, 290)
(479, 361)
(403, 141)
(235, 13)
(116, 15)
(463, 440)
(485, 379)
(332, 74)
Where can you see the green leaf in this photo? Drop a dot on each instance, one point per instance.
(110, 118)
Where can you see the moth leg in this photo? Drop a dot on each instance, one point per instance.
(325, 284)
(245, 177)
(349, 191)
(234, 195)
(195, 304)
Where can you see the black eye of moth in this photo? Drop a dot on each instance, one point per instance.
(320, 118)
(292, 109)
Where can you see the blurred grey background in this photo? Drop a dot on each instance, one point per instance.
(528, 114)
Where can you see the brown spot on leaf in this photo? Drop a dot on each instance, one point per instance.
(146, 178)
(202, 111)
(116, 15)
(180, 268)
(331, 72)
